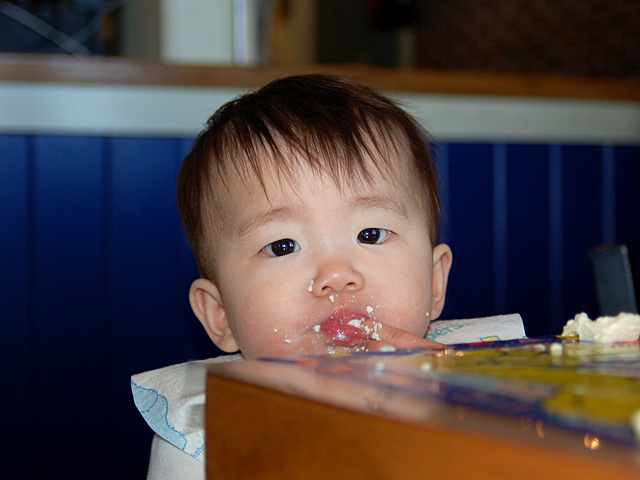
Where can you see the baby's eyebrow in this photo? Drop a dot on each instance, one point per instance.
(254, 222)
(249, 225)
(382, 202)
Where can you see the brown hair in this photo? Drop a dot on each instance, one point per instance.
(334, 125)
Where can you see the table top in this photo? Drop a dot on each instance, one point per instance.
(525, 409)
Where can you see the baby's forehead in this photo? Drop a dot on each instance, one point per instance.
(296, 179)
(290, 166)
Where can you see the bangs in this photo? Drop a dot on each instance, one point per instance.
(343, 152)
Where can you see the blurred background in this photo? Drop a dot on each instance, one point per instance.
(95, 266)
(587, 38)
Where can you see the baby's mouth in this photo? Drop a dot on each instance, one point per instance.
(345, 328)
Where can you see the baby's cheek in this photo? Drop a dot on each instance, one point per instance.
(411, 316)
(268, 333)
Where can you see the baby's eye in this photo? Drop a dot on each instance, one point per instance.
(373, 236)
(281, 247)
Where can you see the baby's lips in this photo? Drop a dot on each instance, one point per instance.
(344, 334)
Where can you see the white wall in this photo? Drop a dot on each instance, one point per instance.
(180, 111)
(179, 31)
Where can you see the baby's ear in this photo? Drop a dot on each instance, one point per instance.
(206, 303)
(442, 258)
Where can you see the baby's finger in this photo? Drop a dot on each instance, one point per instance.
(387, 336)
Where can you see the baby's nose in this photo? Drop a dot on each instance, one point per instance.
(335, 276)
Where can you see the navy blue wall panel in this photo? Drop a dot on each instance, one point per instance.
(582, 193)
(69, 299)
(16, 320)
(627, 197)
(142, 271)
(96, 274)
(96, 271)
(470, 230)
(527, 249)
(521, 220)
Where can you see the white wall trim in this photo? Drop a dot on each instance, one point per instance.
(108, 110)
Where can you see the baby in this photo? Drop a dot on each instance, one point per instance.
(312, 209)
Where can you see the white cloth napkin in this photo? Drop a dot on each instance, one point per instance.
(472, 330)
(171, 399)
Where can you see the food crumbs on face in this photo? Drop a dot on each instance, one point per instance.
(316, 328)
(369, 309)
(310, 287)
(357, 322)
(275, 330)
(332, 298)
(376, 326)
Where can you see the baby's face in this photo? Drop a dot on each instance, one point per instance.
(299, 271)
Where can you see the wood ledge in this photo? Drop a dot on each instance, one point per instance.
(126, 71)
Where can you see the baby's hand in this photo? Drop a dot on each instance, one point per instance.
(397, 338)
